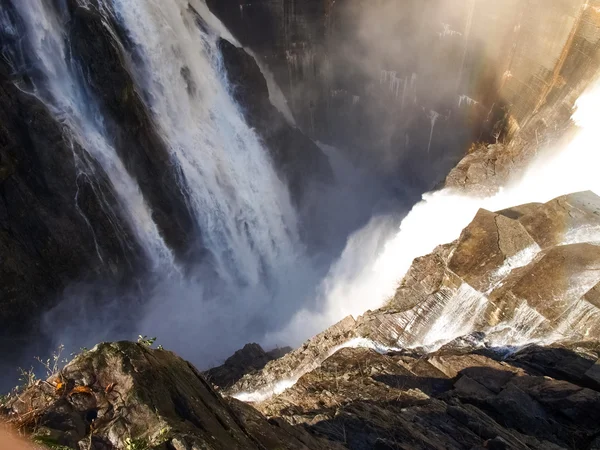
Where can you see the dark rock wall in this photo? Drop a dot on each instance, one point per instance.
(59, 218)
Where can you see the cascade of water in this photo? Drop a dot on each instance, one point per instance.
(66, 95)
(255, 273)
(239, 202)
(458, 318)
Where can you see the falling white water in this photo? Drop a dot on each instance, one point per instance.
(267, 392)
(240, 204)
(257, 273)
(519, 330)
(433, 117)
(393, 82)
(65, 95)
(276, 95)
(458, 318)
(448, 32)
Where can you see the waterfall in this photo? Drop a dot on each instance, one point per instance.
(65, 94)
(254, 273)
(239, 202)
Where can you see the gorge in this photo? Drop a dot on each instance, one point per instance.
(402, 192)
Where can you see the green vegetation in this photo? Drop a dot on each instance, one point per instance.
(145, 340)
(50, 443)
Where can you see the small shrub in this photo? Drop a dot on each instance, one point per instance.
(145, 340)
(54, 363)
(136, 444)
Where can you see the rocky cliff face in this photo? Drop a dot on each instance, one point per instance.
(409, 92)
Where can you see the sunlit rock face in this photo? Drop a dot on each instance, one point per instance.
(518, 276)
(521, 275)
(408, 86)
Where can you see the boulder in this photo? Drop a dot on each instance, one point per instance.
(489, 248)
(249, 359)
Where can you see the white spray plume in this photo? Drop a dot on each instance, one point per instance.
(367, 273)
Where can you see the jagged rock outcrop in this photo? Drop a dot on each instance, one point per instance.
(518, 276)
(249, 359)
(128, 396)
